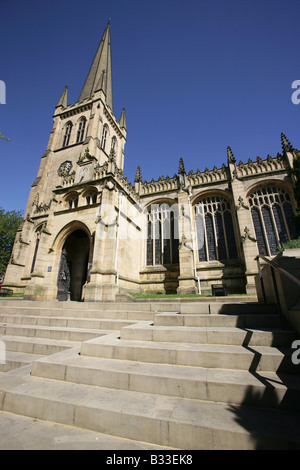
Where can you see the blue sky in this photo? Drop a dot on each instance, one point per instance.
(194, 77)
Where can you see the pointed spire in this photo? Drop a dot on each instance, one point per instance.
(286, 145)
(96, 78)
(181, 170)
(63, 100)
(230, 156)
(138, 175)
(122, 121)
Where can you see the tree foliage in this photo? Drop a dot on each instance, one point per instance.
(9, 224)
(3, 137)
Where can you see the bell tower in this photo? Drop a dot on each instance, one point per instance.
(86, 139)
(84, 135)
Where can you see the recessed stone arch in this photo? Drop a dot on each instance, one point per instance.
(74, 246)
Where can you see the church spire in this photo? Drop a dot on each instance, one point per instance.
(100, 76)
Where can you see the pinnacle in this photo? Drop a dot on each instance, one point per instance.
(63, 100)
(138, 175)
(286, 145)
(181, 169)
(230, 156)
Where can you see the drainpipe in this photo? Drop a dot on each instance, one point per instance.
(195, 269)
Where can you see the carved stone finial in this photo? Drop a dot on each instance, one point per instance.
(230, 156)
(247, 235)
(181, 170)
(286, 145)
(138, 175)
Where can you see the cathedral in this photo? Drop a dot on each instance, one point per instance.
(89, 234)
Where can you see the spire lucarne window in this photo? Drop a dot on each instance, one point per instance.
(273, 218)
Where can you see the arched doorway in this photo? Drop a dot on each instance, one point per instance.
(72, 273)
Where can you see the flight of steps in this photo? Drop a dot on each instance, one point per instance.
(180, 375)
(33, 329)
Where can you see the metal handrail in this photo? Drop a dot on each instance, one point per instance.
(273, 265)
(284, 321)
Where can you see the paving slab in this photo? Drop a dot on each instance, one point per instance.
(23, 433)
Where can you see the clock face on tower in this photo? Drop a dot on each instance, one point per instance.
(64, 168)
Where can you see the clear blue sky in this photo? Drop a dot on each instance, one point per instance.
(194, 77)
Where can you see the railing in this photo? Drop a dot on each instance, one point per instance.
(280, 270)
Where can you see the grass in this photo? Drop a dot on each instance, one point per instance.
(291, 244)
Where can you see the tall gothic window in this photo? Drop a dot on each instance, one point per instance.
(162, 235)
(80, 130)
(104, 136)
(67, 134)
(215, 231)
(114, 143)
(36, 247)
(273, 218)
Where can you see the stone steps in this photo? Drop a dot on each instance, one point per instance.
(178, 375)
(218, 320)
(39, 346)
(121, 315)
(222, 356)
(175, 422)
(186, 307)
(67, 322)
(15, 360)
(71, 334)
(145, 331)
(268, 389)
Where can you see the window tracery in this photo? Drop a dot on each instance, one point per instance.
(162, 235)
(215, 230)
(272, 216)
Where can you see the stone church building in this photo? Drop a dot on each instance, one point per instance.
(89, 234)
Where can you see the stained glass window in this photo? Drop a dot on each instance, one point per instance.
(273, 218)
(162, 236)
(215, 231)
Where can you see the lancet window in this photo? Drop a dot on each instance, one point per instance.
(162, 235)
(104, 137)
(114, 143)
(80, 130)
(91, 198)
(273, 218)
(215, 230)
(67, 134)
(72, 201)
(38, 233)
